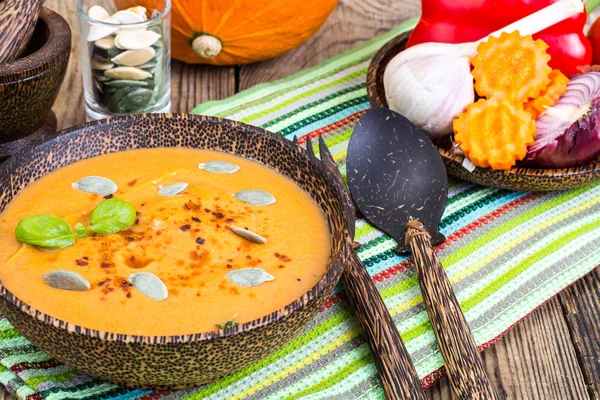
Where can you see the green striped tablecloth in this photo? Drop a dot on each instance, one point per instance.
(507, 252)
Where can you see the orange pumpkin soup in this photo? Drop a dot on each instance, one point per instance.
(219, 255)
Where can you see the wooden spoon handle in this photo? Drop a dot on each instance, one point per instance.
(465, 369)
(400, 381)
(17, 21)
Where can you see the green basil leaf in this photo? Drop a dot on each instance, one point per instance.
(45, 231)
(111, 216)
(81, 230)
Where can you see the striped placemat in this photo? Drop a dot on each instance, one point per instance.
(507, 252)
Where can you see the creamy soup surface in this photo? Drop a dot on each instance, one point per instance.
(185, 240)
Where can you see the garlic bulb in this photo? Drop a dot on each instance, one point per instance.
(430, 90)
(431, 83)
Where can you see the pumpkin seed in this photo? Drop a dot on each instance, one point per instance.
(113, 103)
(249, 235)
(126, 83)
(139, 10)
(113, 52)
(136, 40)
(135, 99)
(98, 13)
(101, 65)
(102, 78)
(99, 31)
(248, 277)
(219, 167)
(105, 43)
(133, 58)
(147, 65)
(173, 189)
(150, 285)
(255, 197)
(127, 17)
(128, 73)
(66, 280)
(95, 185)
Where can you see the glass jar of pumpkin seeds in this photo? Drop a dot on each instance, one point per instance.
(126, 57)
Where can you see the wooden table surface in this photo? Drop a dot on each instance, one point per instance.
(553, 354)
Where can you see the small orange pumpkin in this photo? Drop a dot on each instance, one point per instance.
(226, 32)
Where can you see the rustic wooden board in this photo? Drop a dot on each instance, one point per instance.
(553, 354)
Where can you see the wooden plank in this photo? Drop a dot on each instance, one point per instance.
(352, 22)
(581, 305)
(534, 360)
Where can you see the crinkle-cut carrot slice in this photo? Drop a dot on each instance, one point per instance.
(494, 133)
(511, 67)
(549, 96)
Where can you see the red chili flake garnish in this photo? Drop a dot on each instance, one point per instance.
(185, 227)
(229, 266)
(229, 221)
(128, 295)
(218, 214)
(200, 241)
(207, 210)
(230, 259)
(196, 219)
(190, 205)
(248, 257)
(299, 279)
(129, 238)
(106, 265)
(143, 204)
(124, 283)
(283, 257)
(281, 266)
(133, 182)
(218, 226)
(104, 282)
(108, 196)
(81, 262)
(84, 258)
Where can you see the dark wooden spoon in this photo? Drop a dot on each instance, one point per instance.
(17, 20)
(398, 376)
(398, 181)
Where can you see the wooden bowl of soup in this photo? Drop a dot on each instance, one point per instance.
(198, 185)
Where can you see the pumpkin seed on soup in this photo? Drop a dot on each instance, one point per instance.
(219, 167)
(149, 285)
(173, 189)
(255, 197)
(248, 235)
(248, 277)
(96, 185)
(66, 280)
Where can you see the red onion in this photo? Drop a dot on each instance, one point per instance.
(568, 134)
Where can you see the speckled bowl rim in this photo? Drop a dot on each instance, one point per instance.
(498, 175)
(39, 61)
(313, 294)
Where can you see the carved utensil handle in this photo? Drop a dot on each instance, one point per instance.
(400, 381)
(17, 20)
(465, 369)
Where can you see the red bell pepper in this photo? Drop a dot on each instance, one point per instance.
(459, 21)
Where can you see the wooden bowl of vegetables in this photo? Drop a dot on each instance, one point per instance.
(553, 161)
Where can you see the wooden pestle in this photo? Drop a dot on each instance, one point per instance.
(17, 22)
